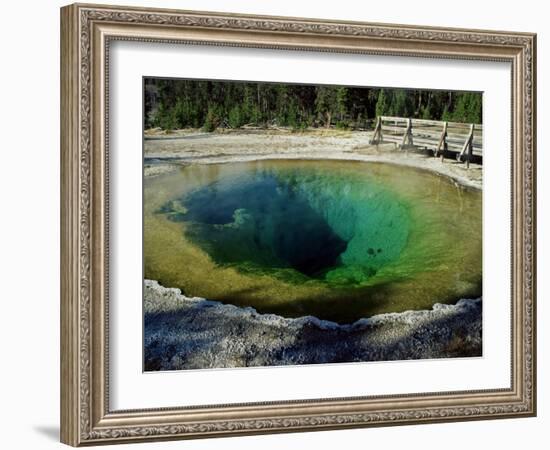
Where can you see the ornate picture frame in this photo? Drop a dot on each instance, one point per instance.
(86, 34)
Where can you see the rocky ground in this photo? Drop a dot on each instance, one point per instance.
(194, 333)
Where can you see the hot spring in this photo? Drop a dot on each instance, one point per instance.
(339, 240)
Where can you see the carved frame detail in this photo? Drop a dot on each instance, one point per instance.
(87, 31)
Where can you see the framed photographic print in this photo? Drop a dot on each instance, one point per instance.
(276, 224)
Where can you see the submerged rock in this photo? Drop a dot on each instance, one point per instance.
(195, 333)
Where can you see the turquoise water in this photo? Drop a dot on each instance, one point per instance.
(331, 228)
(339, 240)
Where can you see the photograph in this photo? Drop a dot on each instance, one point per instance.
(291, 224)
(280, 221)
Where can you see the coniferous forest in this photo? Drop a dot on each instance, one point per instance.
(177, 103)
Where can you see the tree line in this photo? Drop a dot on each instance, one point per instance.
(176, 104)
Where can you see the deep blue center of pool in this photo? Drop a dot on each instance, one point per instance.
(319, 225)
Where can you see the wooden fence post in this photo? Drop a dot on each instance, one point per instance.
(468, 147)
(407, 137)
(439, 137)
(442, 145)
(377, 136)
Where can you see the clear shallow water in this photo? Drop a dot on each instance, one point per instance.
(336, 239)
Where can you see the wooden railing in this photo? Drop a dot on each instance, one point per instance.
(443, 138)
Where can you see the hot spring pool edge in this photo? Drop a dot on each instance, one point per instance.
(166, 164)
(153, 304)
(192, 333)
(276, 310)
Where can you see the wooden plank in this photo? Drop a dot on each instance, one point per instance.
(459, 140)
(465, 126)
(450, 137)
(393, 119)
(431, 122)
(436, 134)
(426, 122)
(394, 129)
(449, 124)
(457, 147)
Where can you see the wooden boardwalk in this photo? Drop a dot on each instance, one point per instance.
(446, 139)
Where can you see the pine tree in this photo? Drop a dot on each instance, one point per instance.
(325, 102)
(382, 104)
(341, 100)
(172, 104)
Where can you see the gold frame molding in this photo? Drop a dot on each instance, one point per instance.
(86, 31)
